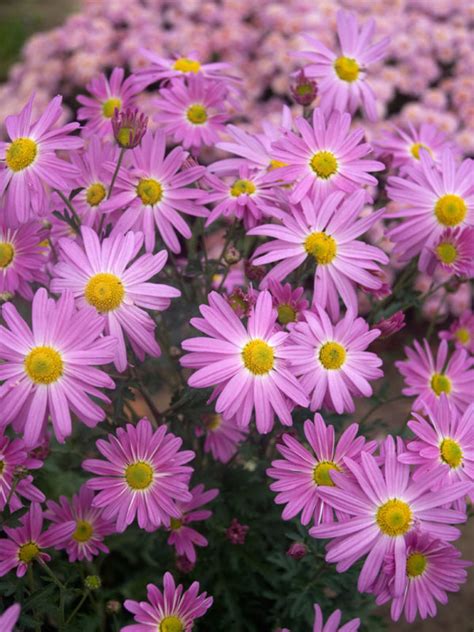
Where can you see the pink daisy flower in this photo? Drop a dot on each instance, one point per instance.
(9, 618)
(289, 303)
(427, 377)
(27, 542)
(183, 537)
(143, 476)
(325, 157)
(453, 252)
(192, 112)
(88, 538)
(109, 277)
(108, 95)
(433, 200)
(461, 332)
(30, 160)
(49, 369)
(155, 194)
(343, 77)
(14, 458)
(384, 505)
(245, 364)
(328, 234)
(174, 609)
(223, 437)
(332, 624)
(301, 473)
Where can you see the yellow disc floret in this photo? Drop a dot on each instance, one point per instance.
(321, 246)
(196, 114)
(109, 106)
(324, 164)
(332, 355)
(184, 64)
(149, 191)
(171, 624)
(213, 421)
(286, 314)
(83, 532)
(276, 164)
(446, 252)
(346, 68)
(321, 474)
(463, 336)
(394, 517)
(7, 253)
(175, 524)
(27, 552)
(139, 475)
(105, 291)
(451, 452)
(95, 194)
(440, 383)
(21, 153)
(44, 365)
(258, 357)
(450, 210)
(415, 150)
(242, 187)
(416, 564)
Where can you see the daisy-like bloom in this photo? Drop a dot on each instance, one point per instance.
(129, 127)
(143, 476)
(454, 252)
(183, 537)
(384, 505)
(245, 364)
(332, 624)
(108, 95)
(9, 618)
(223, 437)
(328, 234)
(301, 473)
(433, 568)
(461, 332)
(193, 112)
(30, 159)
(433, 200)
(427, 377)
(26, 543)
(154, 193)
(324, 157)
(290, 303)
(49, 369)
(14, 461)
(343, 77)
(173, 610)
(87, 540)
(22, 259)
(106, 277)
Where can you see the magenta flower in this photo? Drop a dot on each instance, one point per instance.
(290, 304)
(183, 537)
(236, 532)
(154, 193)
(31, 162)
(245, 364)
(14, 462)
(9, 618)
(87, 539)
(179, 67)
(325, 157)
(384, 505)
(171, 610)
(326, 233)
(143, 476)
(391, 325)
(332, 624)
(427, 377)
(454, 252)
(223, 437)
(129, 127)
(342, 77)
(461, 332)
(109, 277)
(49, 369)
(27, 542)
(301, 473)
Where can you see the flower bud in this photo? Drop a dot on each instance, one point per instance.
(129, 127)
(92, 582)
(297, 550)
(304, 90)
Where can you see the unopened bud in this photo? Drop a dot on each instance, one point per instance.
(232, 255)
(113, 606)
(304, 90)
(92, 582)
(129, 127)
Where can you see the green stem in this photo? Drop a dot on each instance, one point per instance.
(117, 167)
(70, 206)
(77, 608)
(58, 582)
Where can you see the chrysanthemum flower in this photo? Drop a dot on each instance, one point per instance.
(245, 364)
(301, 473)
(87, 539)
(173, 610)
(391, 325)
(427, 377)
(193, 112)
(183, 537)
(384, 506)
(108, 95)
(14, 462)
(461, 332)
(9, 618)
(103, 276)
(143, 477)
(289, 303)
(154, 193)
(328, 234)
(453, 252)
(223, 437)
(342, 78)
(325, 157)
(30, 159)
(332, 624)
(434, 199)
(26, 543)
(49, 369)
(433, 568)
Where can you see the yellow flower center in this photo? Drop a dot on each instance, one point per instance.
(276, 164)
(184, 64)
(104, 291)
(258, 357)
(95, 194)
(451, 452)
(415, 150)
(213, 422)
(176, 523)
(321, 246)
(450, 210)
(242, 187)
(286, 314)
(139, 475)
(149, 191)
(332, 355)
(2, 467)
(394, 517)
(416, 564)
(463, 335)
(440, 383)
(324, 164)
(27, 552)
(7, 252)
(21, 153)
(171, 624)
(321, 474)
(346, 68)
(446, 252)
(123, 136)
(83, 532)
(108, 107)
(196, 114)
(44, 365)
